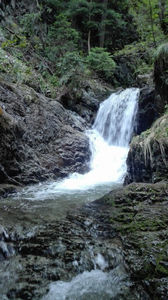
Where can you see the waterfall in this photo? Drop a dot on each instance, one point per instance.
(50, 201)
(109, 141)
(116, 115)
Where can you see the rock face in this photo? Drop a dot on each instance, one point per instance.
(148, 109)
(139, 214)
(39, 138)
(86, 106)
(148, 155)
(86, 99)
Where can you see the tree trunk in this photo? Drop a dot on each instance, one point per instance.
(89, 32)
(89, 36)
(152, 25)
(103, 25)
(162, 9)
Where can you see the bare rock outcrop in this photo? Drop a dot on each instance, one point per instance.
(39, 138)
(148, 155)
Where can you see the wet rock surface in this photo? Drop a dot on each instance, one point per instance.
(148, 155)
(39, 138)
(139, 214)
(148, 109)
(128, 227)
(59, 251)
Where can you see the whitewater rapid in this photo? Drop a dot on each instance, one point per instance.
(109, 141)
(109, 144)
(47, 202)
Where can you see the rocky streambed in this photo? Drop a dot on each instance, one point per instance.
(122, 236)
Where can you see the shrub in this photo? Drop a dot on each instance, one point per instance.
(30, 23)
(101, 62)
(71, 68)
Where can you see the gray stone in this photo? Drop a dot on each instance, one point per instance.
(40, 139)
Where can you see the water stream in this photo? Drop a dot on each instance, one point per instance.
(50, 201)
(109, 140)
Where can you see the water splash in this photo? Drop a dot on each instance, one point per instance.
(92, 285)
(109, 140)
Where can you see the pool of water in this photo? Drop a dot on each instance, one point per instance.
(42, 203)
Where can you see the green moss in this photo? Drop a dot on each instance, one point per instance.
(160, 269)
(146, 133)
(161, 261)
(143, 225)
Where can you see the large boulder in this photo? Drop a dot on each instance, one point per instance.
(39, 138)
(148, 155)
(148, 109)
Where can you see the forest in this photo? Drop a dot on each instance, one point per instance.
(83, 149)
(68, 42)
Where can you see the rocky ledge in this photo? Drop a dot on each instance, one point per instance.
(39, 138)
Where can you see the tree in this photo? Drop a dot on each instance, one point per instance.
(103, 23)
(163, 15)
(151, 16)
(61, 38)
(151, 21)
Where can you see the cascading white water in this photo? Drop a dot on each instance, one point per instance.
(116, 117)
(109, 140)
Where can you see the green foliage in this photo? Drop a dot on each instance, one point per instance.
(149, 17)
(30, 23)
(101, 62)
(50, 35)
(18, 41)
(13, 67)
(161, 62)
(61, 38)
(113, 21)
(133, 60)
(14, 70)
(166, 112)
(71, 69)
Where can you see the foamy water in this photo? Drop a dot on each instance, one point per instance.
(109, 142)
